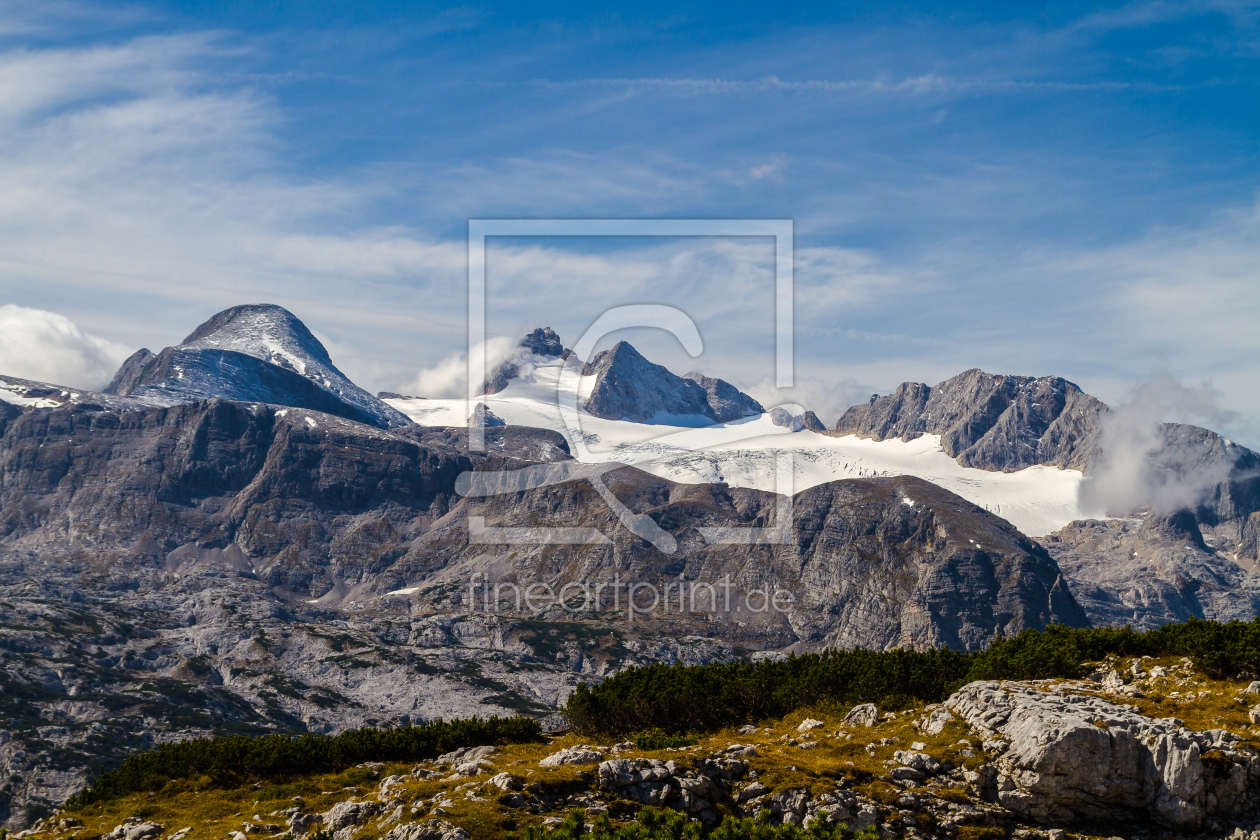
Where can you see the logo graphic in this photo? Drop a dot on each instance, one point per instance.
(589, 464)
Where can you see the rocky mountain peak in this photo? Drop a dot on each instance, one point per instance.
(253, 353)
(544, 342)
(264, 331)
(629, 387)
(989, 421)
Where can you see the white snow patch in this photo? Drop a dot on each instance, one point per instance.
(743, 453)
(16, 395)
(409, 591)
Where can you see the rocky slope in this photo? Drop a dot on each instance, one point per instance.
(986, 421)
(321, 507)
(1150, 572)
(628, 386)
(543, 343)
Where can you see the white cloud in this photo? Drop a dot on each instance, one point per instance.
(47, 347)
(827, 400)
(447, 379)
(143, 187)
(772, 169)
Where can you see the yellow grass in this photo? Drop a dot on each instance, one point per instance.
(854, 756)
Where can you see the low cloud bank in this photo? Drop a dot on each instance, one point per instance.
(1143, 464)
(48, 347)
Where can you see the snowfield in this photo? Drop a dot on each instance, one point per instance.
(746, 453)
(16, 394)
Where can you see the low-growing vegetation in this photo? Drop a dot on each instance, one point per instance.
(705, 698)
(234, 760)
(654, 824)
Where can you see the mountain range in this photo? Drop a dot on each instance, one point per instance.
(234, 537)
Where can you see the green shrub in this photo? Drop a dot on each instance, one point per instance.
(232, 760)
(653, 824)
(702, 698)
(655, 739)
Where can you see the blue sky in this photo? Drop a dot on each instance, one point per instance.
(1067, 190)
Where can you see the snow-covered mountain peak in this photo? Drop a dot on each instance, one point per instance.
(252, 353)
(264, 331)
(628, 386)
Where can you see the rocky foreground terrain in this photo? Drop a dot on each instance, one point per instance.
(1145, 748)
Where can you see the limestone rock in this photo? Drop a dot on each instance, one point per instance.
(346, 814)
(987, 421)
(1076, 757)
(809, 724)
(865, 714)
(431, 830)
(581, 754)
(725, 401)
(936, 721)
(136, 829)
(627, 386)
(257, 353)
(1152, 574)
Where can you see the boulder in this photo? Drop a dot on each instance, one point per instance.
(431, 830)
(1067, 757)
(581, 754)
(865, 715)
(505, 781)
(136, 829)
(935, 722)
(347, 814)
(809, 724)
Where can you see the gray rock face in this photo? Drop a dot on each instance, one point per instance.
(485, 418)
(8, 413)
(863, 566)
(544, 342)
(1067, 758)
(1152, 573)
(805, 421)
(725, 401)
(129, 375)
(17, 395)
(258, 353)
(991, 422)
(811, 422)
(783, 417)
(629, 387)
(1009, 423)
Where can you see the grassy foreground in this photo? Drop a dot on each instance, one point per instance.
(1196, 672)
(855, 758)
